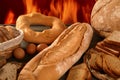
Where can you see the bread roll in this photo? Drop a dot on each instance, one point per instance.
(46, 36)
(52, 62)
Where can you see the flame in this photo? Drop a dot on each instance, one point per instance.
(66, 10)
(9, 18)
(69, 11)
(86, 12)
(30, 6)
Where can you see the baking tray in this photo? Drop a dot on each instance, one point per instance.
(96, 38)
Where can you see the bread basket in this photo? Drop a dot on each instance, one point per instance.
(99, 72)
(8, 46)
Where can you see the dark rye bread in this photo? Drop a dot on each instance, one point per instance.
(113, 38)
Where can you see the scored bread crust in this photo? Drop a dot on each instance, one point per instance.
(38, 68)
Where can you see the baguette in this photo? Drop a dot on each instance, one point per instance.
(52, 62)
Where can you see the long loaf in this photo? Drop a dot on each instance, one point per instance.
(65, 51)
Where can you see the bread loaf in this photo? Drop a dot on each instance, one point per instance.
(55, 60)
(79, 72)
(105, 16)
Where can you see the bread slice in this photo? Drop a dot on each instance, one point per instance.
(100, 46)
(9, 71)
(108, 65)
(12, 31)
(115, 47)
(113, 38)
(5, 33)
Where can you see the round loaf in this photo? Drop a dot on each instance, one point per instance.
(105, 16)
(46, 36)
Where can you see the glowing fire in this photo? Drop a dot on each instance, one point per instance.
(69, 11)
(30, 6)
(66, 10)
(9, 18)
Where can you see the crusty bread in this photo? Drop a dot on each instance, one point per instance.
(6, 33)
(105, 16)
(102, 65)
(12, 31)
(112, 46)
(3, 34)
(103, 60)
(101, 47)
(54, 24)
(79, 72)
(10, 38)
(113, 38)
(61, 55)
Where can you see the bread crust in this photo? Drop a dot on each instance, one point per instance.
(105, 16)
(46, 36)
(79, 72)
(51, 66)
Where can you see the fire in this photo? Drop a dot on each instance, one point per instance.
(69, 11)
(66, 10)
(30, 6)
(9, 18)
